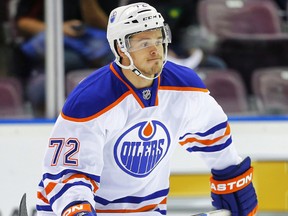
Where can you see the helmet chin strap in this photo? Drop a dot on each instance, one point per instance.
(135, 70)
(138, 73)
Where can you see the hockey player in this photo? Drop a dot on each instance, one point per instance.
(110, 148)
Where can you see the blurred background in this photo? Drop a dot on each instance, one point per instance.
(238, 47)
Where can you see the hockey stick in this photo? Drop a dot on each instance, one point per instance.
(221, 212)
(22, 207)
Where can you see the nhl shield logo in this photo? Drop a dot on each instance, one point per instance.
(141, 148)
(146, 94)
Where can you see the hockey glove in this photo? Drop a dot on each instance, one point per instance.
(79, 208)
(232, 189)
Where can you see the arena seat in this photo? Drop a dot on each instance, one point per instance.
(270, 87)
(231, 18)
(250, 34)
(228, 89)
(248, 54)
(74, 77)
(11, 94)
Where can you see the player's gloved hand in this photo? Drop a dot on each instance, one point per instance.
(232, 189)
(79, 208)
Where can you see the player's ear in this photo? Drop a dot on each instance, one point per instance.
(120, 52)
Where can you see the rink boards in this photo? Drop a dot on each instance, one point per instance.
(265, 140)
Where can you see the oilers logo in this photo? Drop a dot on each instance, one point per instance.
(140, 148)
(113, 16)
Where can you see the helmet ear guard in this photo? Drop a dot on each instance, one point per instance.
(130, 19)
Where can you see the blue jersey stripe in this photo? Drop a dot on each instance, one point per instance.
(69, 171)
(208, 132)
(44, 208)
(213, 148)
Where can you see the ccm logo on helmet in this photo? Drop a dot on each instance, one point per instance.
(232, 185)
(150, 17)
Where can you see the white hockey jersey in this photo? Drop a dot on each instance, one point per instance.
(112, 143)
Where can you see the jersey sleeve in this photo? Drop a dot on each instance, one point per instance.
(72, 165)
(208, 133)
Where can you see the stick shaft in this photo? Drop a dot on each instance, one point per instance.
(221, 212)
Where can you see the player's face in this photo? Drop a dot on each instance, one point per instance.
(146, 50)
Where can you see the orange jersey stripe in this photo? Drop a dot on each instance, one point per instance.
(177, 88)
(50, 187)
(164, 201)
(207, 142)
(41, 197)
(82, 176)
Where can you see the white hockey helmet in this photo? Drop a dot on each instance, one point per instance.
(130, 19)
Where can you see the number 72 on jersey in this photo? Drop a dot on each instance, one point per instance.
(69, 148)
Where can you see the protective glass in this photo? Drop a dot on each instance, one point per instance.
(133, 44)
